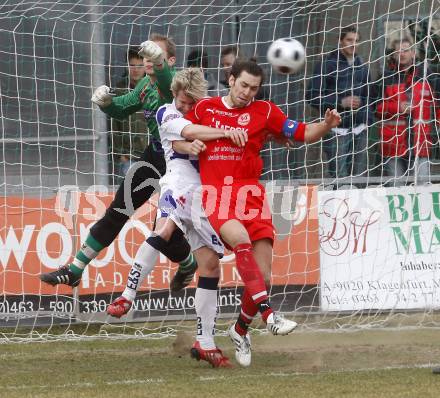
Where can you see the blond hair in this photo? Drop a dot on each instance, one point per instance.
(191, 81)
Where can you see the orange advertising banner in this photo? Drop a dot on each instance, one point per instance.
(39, 235)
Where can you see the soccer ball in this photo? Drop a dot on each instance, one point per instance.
(286, 55)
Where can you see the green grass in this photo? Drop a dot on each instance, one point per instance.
(360, 364)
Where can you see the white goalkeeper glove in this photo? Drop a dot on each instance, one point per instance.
(102, 96)
(150, 50)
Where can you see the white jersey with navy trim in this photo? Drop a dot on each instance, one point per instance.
(182, 167)
(180, 187)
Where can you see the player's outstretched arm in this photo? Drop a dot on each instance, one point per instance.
(122, 106)
(198, 132)
(315, 131)
(102, 96)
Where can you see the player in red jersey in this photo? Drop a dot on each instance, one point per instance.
(234, 200)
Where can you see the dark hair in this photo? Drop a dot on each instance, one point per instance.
(347, 30)
(132, 52)
(248, 66)
(229, 50)
(197, 59)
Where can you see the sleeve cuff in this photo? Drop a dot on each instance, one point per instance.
(176, 126)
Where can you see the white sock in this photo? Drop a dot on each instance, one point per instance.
(144, 263)
(206, 311)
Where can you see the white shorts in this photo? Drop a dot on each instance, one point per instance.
(184, 207)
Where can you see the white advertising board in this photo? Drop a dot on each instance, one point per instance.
(380, 248)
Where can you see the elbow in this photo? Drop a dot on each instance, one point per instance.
(188, 133)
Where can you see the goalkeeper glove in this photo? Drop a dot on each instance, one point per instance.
(102, 96)
(150, 50)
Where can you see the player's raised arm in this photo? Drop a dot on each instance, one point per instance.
(159, 58)
(161, 63)
(315, 131)
(287, 130)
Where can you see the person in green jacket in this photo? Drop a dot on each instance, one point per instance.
(142, 180)
(128, 137)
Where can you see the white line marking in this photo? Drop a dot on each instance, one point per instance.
(218, 378)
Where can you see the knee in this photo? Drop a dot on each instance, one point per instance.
(177, 249)
(238, 238)
(209, 269)
(114, 217)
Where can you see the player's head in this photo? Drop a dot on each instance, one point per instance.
(245, 80)
(168, 47)
(348, 38)
(136, 70)
(197, 59)
(228, 55)
(188, 86)
(404, 52)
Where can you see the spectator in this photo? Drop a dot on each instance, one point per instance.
(405, 109)
(199, 59)
(228, 55)
(342, 81)
(129, 136)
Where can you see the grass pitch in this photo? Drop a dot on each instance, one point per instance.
(305, 364)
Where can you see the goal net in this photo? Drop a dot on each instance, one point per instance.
(356, 242)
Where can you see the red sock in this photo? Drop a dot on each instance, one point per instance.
(248, 310)
(253, 281)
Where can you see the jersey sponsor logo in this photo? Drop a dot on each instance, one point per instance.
(244, 119)
(219, 125)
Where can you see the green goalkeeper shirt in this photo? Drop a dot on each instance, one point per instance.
(146, 95)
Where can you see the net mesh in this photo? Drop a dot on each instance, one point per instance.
(61, 159)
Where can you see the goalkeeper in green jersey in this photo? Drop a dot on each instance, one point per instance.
(141, 181)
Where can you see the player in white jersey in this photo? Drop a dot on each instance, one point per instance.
(177, 210)
(181, 183)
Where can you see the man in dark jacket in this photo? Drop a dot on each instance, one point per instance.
(199, 58)
(341, 81)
